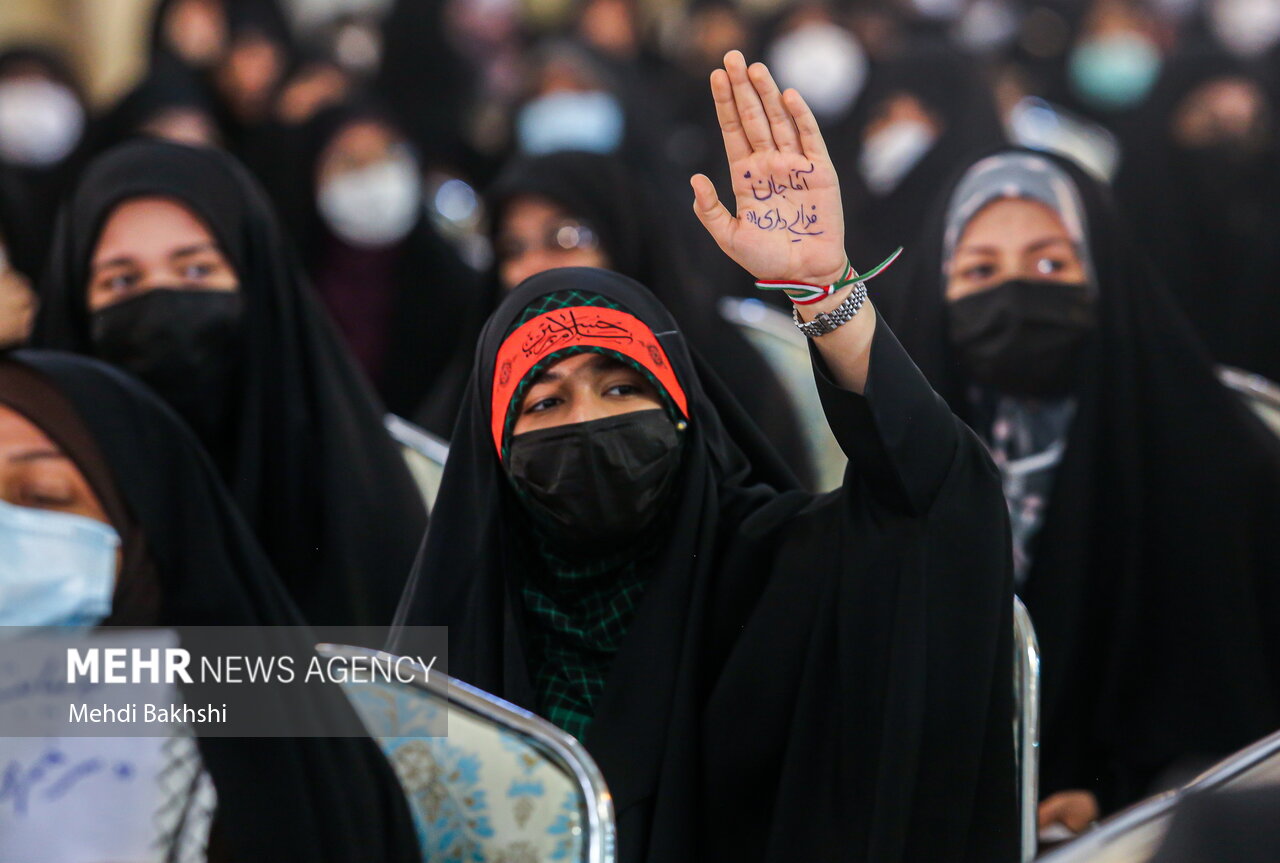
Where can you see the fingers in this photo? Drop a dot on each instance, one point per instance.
(750, 109)
(785, 134)
(810, 135)
(736, 145)
(713, 215)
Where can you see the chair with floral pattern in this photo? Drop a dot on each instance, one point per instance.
(487, 782)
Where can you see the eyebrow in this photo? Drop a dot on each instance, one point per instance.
(598, 363)
(197, 248)
(1034, 247)
(184, 252)
(118, 261)
(36, 455)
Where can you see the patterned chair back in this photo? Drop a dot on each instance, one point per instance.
(423, 452)
(787, 352)
(486, 781)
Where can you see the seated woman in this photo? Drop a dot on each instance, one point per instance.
(1142, 493)
(169, 263)
(761, 673)
(84, 450)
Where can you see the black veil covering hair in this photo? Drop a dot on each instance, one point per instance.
(331, 799)
(636, 236)
(1207, 219)
(1154, 579)
(957, 94)
(435, 293)
(43, 187)
(806, 677)
(312, 467)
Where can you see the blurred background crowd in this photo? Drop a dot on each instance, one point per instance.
(424, 156)
(366, 117)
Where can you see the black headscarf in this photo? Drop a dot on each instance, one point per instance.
(298, 799)
(805, 677)
(952, 87)
(1154, 578)
(637, 240)
(44, 186)
(169, 86)
(1207, 218)
(435, 295)
(311, 465)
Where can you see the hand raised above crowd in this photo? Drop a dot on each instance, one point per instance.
(788, 224)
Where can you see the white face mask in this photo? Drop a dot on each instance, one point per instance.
(40, 122)
(824, 62)
(890, 154)
(375, 206)
(938, 10)
(1246, 28)
(56, 569)
(590, 121)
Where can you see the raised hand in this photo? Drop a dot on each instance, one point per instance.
(789, 225)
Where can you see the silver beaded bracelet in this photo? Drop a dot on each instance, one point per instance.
(826, 322)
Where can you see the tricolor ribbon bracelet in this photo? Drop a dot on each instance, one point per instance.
(804, 294)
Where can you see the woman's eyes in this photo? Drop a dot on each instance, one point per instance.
(1049, 266)
(622, 390)
(120, 282)
(543, 404)
(980, 271)
(198, 270)
(46, 497)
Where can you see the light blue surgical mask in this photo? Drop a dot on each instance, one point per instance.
(590, 121)
(1114, 72)
(56, 569)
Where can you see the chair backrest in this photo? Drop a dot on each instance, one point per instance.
(423, 452)
(1134, 835)
(1260, 394)
(1026, 725)
(485, 779)
(787, 352)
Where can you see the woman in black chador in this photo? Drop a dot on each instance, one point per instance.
(85, 450)
(1142, 494)
(761, 673)
(169, 263)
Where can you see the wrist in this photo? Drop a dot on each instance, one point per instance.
(810, 311)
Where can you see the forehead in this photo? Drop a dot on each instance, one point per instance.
(365, 139)
(1012, 223)
(582, 364)
(149, 225)
(19, 434)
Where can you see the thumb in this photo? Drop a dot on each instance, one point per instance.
(713, 215)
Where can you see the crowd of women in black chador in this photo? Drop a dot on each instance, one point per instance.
(299, 222)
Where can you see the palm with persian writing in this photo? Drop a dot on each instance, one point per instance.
(789, 224)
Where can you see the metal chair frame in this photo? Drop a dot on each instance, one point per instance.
(417, 439)
(562, 749)
(1150, 814)
(1026, 726)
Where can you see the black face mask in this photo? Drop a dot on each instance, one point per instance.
(187, 345)
(1023, 337)
(596, 486)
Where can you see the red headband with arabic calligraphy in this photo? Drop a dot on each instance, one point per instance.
(571, 327)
